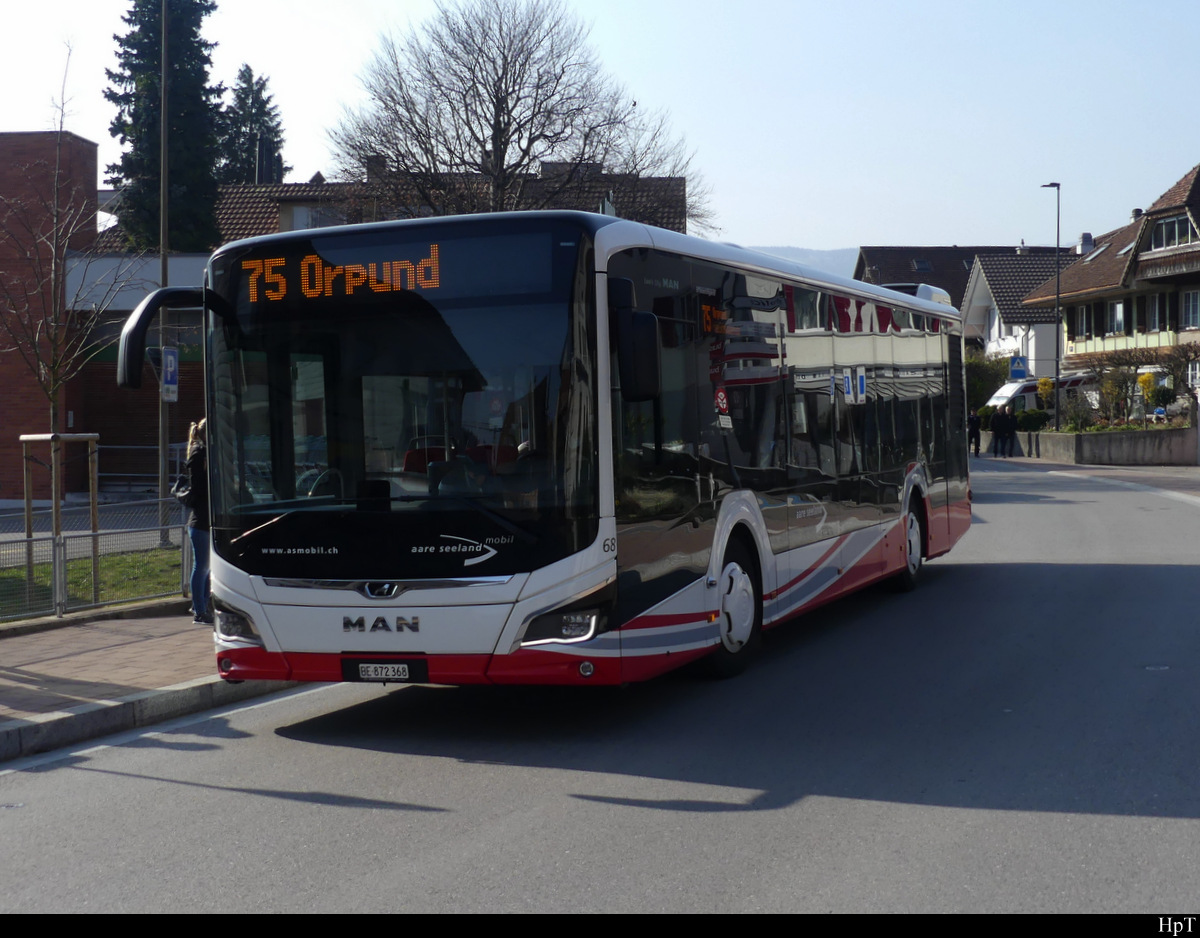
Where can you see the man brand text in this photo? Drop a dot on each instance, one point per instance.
(380, 624)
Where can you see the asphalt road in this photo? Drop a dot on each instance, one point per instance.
(1017, 735)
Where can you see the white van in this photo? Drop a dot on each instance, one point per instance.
(1023, 395)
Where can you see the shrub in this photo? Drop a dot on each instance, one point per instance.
(1031, 421)
(1161, 396)
(1078, 414)
(984, 377)
(1045, 389)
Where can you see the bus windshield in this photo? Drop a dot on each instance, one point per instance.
(403, 407)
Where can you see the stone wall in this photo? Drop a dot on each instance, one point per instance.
(1133, 448)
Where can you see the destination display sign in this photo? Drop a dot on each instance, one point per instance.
(274, 278)
(322, 270)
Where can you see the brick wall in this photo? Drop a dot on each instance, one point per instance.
(27, 162)
(130, 418)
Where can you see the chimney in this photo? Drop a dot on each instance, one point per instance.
(1022, 249)
(1086, 244)
(376, 165)
(1137, 213)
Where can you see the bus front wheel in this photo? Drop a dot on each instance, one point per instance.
(913, 543)
(739, 612)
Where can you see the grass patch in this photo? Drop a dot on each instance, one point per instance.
(124, 577)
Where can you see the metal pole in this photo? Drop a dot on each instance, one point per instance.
(28, 525)
(55, 483)
(58, 569)
(94, 499)
(164, 410)
(1057, 300)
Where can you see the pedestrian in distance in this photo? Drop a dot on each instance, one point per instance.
(1010, 431)
(973, 429)
(997, 425)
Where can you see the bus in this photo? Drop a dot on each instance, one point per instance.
(554, 447)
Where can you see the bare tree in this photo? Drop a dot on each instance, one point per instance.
(56, 289)
(1115, 375)
(495, 105)
(647, 159)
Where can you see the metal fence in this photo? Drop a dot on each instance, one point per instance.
(135, 468)
(131, 557)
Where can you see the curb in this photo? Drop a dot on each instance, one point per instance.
(49, 731)
(135, 610)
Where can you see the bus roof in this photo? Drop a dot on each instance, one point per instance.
(616, 234)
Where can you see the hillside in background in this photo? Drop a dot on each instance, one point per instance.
(839, 262)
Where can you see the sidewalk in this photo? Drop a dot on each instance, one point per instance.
(77, 678)
(87, 675)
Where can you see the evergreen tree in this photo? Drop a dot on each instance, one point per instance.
(193, 114)
(251, 132)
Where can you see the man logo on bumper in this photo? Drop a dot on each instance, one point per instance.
(380, 624)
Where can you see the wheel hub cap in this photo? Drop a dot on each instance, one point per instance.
(737, 607)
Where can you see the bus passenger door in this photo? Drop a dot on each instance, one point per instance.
(665, 495)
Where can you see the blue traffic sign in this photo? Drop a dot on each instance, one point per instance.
(170, 374)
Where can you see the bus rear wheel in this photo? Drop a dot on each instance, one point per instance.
(739, 613)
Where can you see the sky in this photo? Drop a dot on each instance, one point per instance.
(816, 124)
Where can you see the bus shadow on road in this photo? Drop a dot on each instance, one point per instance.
(958, 694)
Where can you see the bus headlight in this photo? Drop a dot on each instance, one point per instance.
(577, 626)
(575, 621)
(232, 623)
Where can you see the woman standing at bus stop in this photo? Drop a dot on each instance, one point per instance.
(198, 535)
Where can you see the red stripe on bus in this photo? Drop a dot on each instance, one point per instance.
(813, 568)
(660, 621)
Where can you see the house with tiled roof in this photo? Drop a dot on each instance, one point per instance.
(1137, 286)
(945, 267)
(993, 315)
(246, 211)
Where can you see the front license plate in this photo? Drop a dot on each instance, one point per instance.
(411, 671)
(383, 672)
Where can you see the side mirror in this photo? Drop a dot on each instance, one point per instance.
(131, 351)
(639, 345)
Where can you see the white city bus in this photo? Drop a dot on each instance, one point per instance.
(554, 447)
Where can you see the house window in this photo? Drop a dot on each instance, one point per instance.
(1189, 310)
(1154, 312)
(315, 216)
(1173, 231)
(1116, 317)
(1081, 323)
(1194, 374)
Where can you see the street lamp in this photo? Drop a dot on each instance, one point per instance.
(1057, 294)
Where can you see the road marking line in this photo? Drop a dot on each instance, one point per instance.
(1193, 500)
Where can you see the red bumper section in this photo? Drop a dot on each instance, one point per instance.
(528, 666)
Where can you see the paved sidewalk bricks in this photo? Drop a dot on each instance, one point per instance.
(63, 681)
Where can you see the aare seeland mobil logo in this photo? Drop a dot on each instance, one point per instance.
(472, 551)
